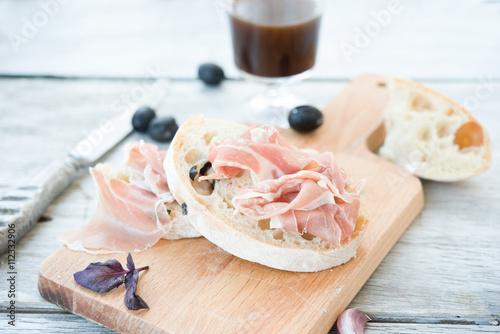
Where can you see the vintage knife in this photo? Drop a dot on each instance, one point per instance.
(21, 207)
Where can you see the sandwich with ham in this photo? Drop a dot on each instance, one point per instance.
(252, 194)
(135, 208)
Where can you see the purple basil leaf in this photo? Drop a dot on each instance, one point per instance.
(130, 262)
(133, 301)
(101, 277)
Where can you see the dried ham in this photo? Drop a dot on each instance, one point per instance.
(131, 214)
(303, 191)
(263, 152)
(304, 202)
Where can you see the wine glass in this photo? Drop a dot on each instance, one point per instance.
(274, 43)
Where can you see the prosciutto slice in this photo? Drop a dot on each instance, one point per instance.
(303, 191)
(131, 214)
(263, 152)
(145, 167)
(304, 202)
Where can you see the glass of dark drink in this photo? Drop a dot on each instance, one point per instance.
(274, 42)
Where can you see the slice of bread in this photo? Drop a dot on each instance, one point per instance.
(209, 203)
(432, 136)
(181, 224)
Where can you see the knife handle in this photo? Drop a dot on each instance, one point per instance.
(21, 207)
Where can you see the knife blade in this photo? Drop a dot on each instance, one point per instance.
(21, 207)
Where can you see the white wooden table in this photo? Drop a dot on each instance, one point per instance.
(73, 70)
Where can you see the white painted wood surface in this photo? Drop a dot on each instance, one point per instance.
(443, 276)
(124, 38)
(66, 323)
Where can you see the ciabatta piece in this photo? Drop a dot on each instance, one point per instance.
(210, 206)
(432, 136)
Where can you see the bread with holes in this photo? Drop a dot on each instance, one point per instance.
(214, 217)
(432, 136)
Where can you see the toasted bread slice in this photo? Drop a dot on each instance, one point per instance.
(210, 206)
(432, 136)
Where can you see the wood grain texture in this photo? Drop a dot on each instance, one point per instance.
(428, 329)
(177, 35)
(69, 323)
(193, 286)
(457, 229)
(53, 324)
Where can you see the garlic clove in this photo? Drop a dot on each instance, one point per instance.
(352, 321)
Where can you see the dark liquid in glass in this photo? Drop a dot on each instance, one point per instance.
(275, 38)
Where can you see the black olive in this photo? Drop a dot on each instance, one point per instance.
(168, 211)
(184, 208)
(205, 168)
(210, 74)
(193, 172)
(142, 117)
(163, 129)
(305, 118)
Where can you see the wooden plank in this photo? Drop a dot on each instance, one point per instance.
(193, 285)
(67, 323)
(423, 40)
(426, 328)
(54, 324)
(403, 287)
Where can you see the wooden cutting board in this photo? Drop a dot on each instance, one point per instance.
(193, 286)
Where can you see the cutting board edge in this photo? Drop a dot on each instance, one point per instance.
(65, 299)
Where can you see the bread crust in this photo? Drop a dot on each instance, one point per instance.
(287, 256)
